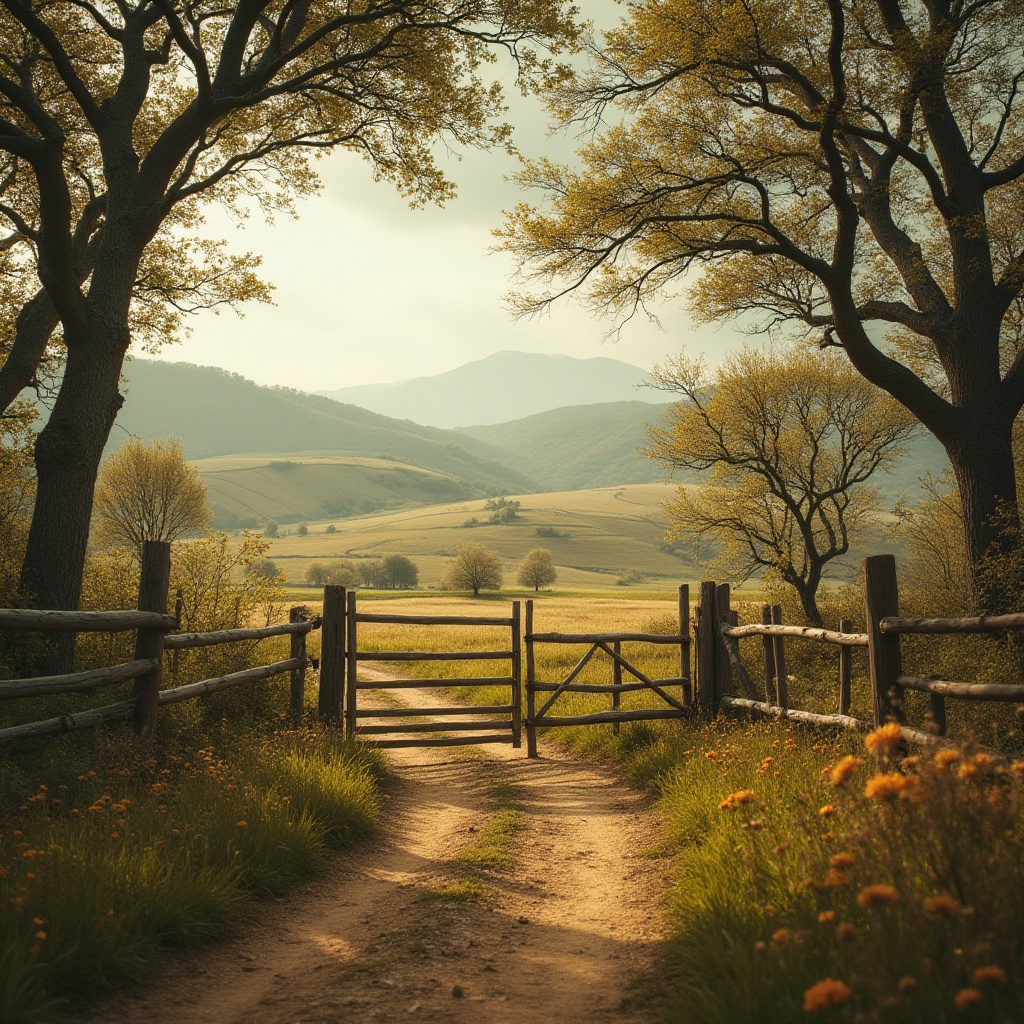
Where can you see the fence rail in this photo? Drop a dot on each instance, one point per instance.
(152, 623)
(882, 640)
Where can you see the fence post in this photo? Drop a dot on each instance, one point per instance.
(517, 677)
(531, 696)
(149, 643)
(617, 682)
(723, 666)
(684, 648)
(352, 663)
(881, 598)
(768, 647)
(332, 655)
(845, 669)
(707, 687)
(779, 652)
(298, 675)
(179, 606)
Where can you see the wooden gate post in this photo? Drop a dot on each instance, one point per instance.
(707, 678)
(881, 598)
(768, 649)
(845, 668)
(153, 583)
(517, 677)
(684, 648)
(723, 665)
(352, 662)
(297, 651)
(531, 678)
(332, 655)
(779, 654)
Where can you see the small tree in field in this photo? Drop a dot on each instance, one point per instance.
(271, 529)
(148, 492)
(790, 437)
(317, 573)
(400, 572)
(537, 570)
(475, 568)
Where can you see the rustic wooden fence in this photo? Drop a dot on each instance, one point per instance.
(610, 644)
(721, 667)
(502, 724)
(154, 637)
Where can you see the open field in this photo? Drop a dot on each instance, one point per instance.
(603, 534)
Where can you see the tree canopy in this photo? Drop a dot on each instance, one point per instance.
(475, 568)
(118, 121)
(148, 492)
(537, 569)
(850, 170)
(791, 438)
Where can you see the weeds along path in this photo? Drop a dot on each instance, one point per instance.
(562, 934)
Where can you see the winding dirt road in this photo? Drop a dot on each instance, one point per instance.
(562, 937)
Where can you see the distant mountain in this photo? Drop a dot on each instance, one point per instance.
(501, 387)
(578, 447)
(219, 413)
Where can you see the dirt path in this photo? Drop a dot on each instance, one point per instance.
(559, 938)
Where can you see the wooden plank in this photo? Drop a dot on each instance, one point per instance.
(208, 686)
(601, 717)
(351, 664)
(881, 600)
(476, 709)
(723, 666)
(732, 649)
(68, 723)
(42, 685)
(376, 730)
(845, 669)
(807, 717)
(768, 652)
(1012, 693)
(829, 636)
(435, 620)
(431, 683)
(937, 713)
(332, 655)
(179, 641)
(616, 680)
(447, 741)
(684, 648)
(154, 581)
(297, 652)
(599, 687)
(707, 699)
(779, 653)
(531, 685)
(433, 656)
(651, 684)
(32, 620)
(593, 638)
(517, 677)
(968, 624)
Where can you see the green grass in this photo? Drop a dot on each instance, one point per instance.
(107, 858)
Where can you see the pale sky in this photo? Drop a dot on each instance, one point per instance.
(368, 290)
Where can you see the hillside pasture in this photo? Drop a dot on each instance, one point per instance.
(596, 538)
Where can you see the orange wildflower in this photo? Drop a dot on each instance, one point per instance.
(827, 811)
(941, 905)
(781, 939)
(993, 974)
(842, 860)
(41, 936)
(826, 917)
(1018, 767)
(242, 824)
(906, 985)
(967, 771)
(845, 933)
(966, 998)
(944, 758)
(826, 994)
(845, 770)
(885, 786)
(733, 800)
(877, 896)
(884, 740)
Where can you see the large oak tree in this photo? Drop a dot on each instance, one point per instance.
(851, 168)
(119, 117)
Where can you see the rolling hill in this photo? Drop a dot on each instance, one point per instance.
(503, 386)
(219, 413)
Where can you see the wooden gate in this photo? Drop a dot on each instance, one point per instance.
(610, 644)
(502, 724)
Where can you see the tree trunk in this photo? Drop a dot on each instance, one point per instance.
(982, 461)
(67, 458)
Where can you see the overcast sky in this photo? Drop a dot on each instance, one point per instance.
(368, 290)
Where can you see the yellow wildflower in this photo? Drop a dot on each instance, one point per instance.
(885, 786)
(845, 770)
(884, 740)
(944, 758)
(827, 811)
